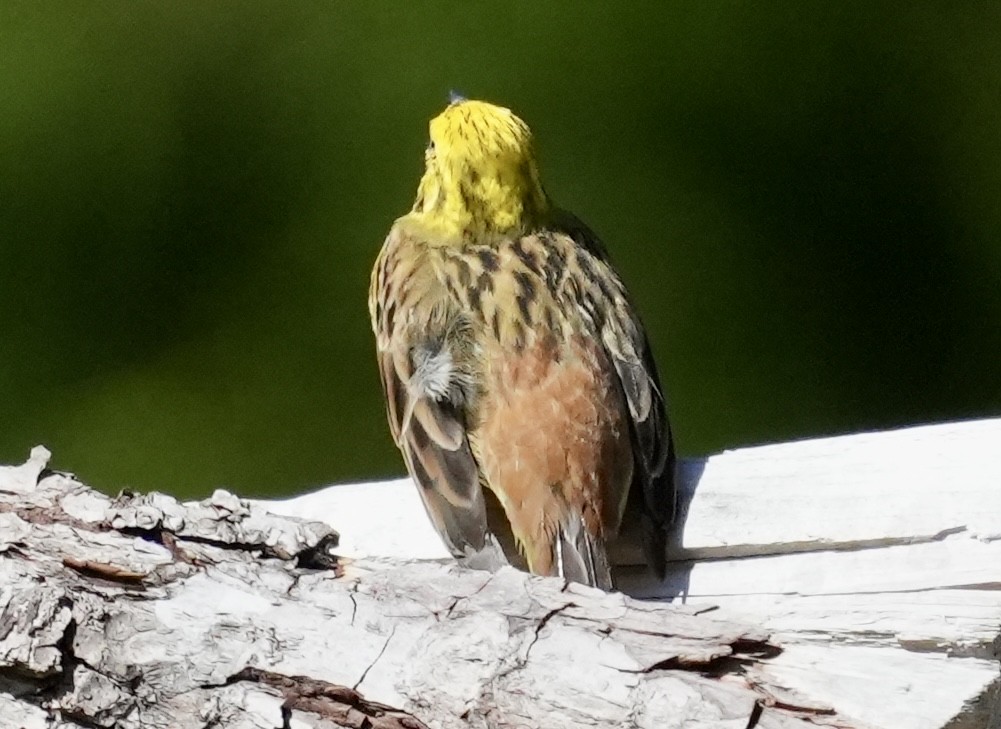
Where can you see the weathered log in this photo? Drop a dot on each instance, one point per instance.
(873, 559)
(847, 597)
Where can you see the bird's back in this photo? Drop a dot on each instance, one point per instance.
(517, 364)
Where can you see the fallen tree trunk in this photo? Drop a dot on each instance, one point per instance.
(848, 582)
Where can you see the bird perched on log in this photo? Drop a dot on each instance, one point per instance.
(518, 378)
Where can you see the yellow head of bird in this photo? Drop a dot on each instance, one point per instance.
(481, 176)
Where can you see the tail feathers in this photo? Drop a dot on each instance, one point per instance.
(581, 556)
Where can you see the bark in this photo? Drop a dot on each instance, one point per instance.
(790, 610)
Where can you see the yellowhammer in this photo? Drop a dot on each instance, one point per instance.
(519, 382)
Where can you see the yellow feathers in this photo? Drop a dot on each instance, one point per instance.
(481, 176)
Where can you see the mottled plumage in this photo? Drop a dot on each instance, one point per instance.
(519, 382)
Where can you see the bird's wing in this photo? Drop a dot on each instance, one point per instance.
(431, 435)
(427, 424)
(652, 493)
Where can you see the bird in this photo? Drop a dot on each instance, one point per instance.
(519, 382)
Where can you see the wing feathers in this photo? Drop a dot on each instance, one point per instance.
(432, 438)
(652, 493)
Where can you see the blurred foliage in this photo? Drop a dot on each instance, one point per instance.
(803, 198)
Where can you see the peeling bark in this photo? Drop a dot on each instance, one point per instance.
(140, 611)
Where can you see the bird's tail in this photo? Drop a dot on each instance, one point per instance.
(581, 557)
(577, 555)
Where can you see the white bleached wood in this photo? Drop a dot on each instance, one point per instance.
(142, 613)
(875, 558)
(24, 716)
(889, 688)
(872, 560)
(387, 519)
(898, 486)
(852, 491)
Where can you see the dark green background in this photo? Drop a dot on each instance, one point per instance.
(804, 200)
